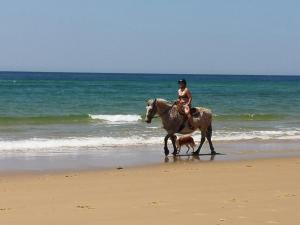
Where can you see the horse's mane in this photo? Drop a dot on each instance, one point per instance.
(165, 101)
(173, 113)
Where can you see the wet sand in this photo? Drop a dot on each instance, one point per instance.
(132, 156)
(264, 191)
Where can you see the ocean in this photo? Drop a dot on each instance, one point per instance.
(74, 113)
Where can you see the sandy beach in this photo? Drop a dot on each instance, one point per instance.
(93, 95)
(265, 191)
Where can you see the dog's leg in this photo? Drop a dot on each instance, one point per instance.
(188, 146)
(178, 149)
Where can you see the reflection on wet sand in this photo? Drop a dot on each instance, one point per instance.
(188, 158)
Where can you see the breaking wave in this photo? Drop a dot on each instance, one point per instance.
(65, 119)
(71, 144)
(116, 118)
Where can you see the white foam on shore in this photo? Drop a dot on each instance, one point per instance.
(117, 118)
(71, 144)
(74, 142)
(260, 135)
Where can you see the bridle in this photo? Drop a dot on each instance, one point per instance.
(153, 110)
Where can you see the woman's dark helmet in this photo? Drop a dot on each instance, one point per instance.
(182, 81)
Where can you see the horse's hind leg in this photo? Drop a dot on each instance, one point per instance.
(208, 136)
(166, 145)
(201, 143)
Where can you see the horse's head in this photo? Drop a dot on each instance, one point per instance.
(151, 110)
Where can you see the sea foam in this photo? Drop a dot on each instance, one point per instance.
(71, 144)
(117, 118)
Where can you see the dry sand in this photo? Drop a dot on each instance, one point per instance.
(246, 192)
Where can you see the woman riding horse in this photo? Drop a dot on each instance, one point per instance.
(184, 100)
(174, 121)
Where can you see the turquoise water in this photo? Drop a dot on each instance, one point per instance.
(66, 112)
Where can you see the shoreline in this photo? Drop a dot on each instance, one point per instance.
(172, 162)
(139, 156)
(261, 191)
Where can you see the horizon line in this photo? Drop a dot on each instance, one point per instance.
(148, 73)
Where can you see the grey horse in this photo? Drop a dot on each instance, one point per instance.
(175, 122)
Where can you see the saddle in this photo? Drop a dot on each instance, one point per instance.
(194, 112)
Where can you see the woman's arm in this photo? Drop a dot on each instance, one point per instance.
(188, 94)
(178, 97)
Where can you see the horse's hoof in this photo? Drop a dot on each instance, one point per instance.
(213, 152)
(174, 153)
(196, 153)
(166, 151)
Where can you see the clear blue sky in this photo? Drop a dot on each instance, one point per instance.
(159, 36)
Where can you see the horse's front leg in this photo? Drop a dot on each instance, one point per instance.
(173, 139)
(166, 145)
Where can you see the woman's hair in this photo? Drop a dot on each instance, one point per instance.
(182, 81)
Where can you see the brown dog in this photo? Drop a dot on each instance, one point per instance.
(188, 141)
